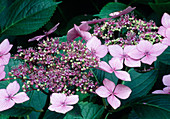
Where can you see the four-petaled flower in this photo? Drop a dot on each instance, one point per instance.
(123, 54)
(147, 51)
(111, 92)
(81, 31)
(8, 97)
(94, 45)
(165, 29)
(62, 103)
(115, 66)
(5, 47)
(166, 82)
(2, 72)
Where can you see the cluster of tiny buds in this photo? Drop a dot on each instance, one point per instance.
(127, 30)
(59, 67)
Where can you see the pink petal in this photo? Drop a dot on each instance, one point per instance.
(5, 47)
(149, 59)
(63, 109)
(123, 75)
(165, 20)
(122, 91)
(84, 27)
(104, 66)
(3, 94)
(166, 80)
(167, 90)
(166, 41)
(6, 104)
(2, 75)
(103, 92)
(132, 62)
(2, 68)
(36, 38)
(136, 54)
(4, 59)
(101, 51)
(109, 84)
(129, 48)
(158, 92)
(86, 35)
(13, 88)
(72, 99)
(93, 43)
(158, 49)
(115, 63)
(113, 101)
(57, 98)
(77, 29)
(115, 50)
(168, 32)
(53, 29)
(20, 97)
(72, 34)
(162, 31)
(144, 46)
(52, 107)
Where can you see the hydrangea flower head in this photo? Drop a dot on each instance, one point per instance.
(111, 92)
(62, 103)
(166, 82)
(165, 29)
(8, 96)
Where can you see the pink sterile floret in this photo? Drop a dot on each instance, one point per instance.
(94, 45)
(79, 31)
(147, 51)
(166, 82)
(123, 55)
(62, 103)
(8, 96)
(115, 66)
(165, 29)
(111, 92)
(5, 47)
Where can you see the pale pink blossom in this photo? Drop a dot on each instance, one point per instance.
(79, 31)
(45, 34)
(5, 47)
(111, 92)
(147, 51)
(94, 45)
(166, 82)
(2, 72)
(8, 96)
(165, 29)
(62, 103)
(123, 54)
(114, 66)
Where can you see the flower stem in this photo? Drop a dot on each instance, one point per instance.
(45, 108)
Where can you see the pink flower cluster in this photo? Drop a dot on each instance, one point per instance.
(5, 47)
(166, 82)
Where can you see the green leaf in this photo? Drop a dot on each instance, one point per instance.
(153, 107)
(88, 111)
(18, 110)
(53, 115)
(161, 1)
(141, 83)
(165, 56)
(111, 7)
(160, 8)
(26, 16)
